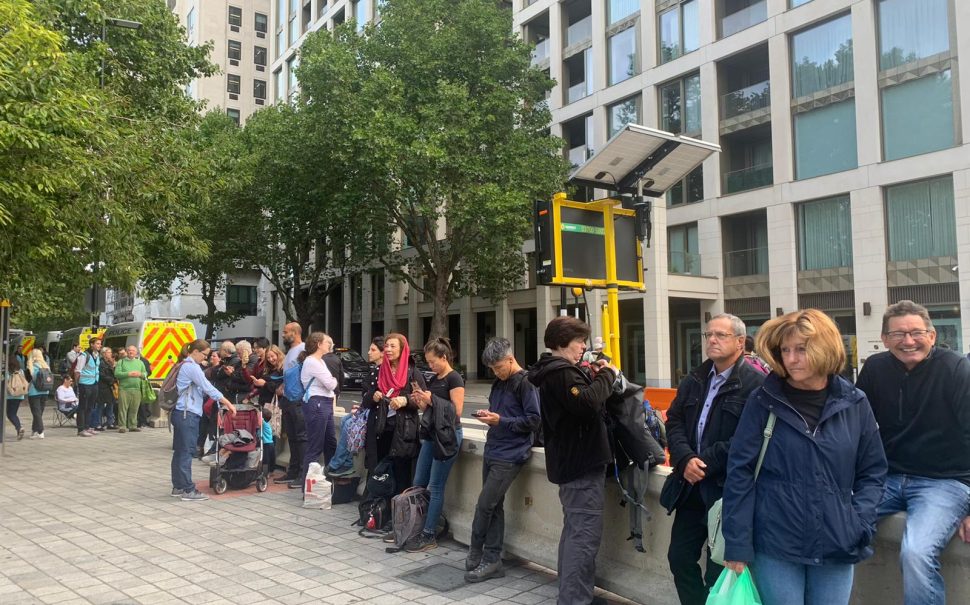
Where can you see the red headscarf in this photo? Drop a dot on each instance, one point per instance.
(391, 379)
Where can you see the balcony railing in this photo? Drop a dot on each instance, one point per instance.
(579, 31)
(541, 52)
(756, 96)
(739, 263)
(748, 178)
(578, 155)
(684, 263)
(744, 18)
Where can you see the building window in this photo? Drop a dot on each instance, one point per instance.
(921, 220)
(825, 140)
(360, 14)
(259, 89)
(682, 250)
(822, 57)
(190, 25)
(232, 84)
(294, 30)
(280, 13)
(824, 234)
(235, 16)
(291, 66)
(280, 42)
(745, 245)
(680, 106)
(688, 190)
(259, 55)
(280, 84)
(737, 15)
(233, 115)
(621, 9)
(241, 299)
(261, 23)
(623, 113)
(623, 55)
(679, 31)
(235, 50)
(795, 3)
(579, 75)
(916, 85)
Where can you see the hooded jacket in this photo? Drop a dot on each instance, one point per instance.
(815, 501)
(923, 413)
(572, 408)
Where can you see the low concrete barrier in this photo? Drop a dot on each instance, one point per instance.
(533, 521)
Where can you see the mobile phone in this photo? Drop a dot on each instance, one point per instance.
(480, 413)
(602, 356)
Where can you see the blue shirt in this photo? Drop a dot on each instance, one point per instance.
(714, 383)
(90, 370)
(516, 401)
(193, 386)
(267, 435)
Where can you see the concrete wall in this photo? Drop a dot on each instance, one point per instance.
(533, 521)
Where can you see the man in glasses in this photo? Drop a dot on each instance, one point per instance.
(700, 423)
(920, 395)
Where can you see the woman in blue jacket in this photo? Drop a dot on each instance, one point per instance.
(811, 513)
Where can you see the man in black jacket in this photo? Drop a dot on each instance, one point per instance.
(700, 423)
(577, 450)
(920, 395)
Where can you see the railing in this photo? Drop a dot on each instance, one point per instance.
(577, 91)
(578, 155)
(748, 178)
(744, 18)
(684, 263)
(579, 31)
(753, 261)
(541, 52)
(756, 96)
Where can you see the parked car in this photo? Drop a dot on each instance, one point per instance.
(355, 367)
(421, 363)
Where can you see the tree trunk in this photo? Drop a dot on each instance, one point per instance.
(209, 298)
(439, 318)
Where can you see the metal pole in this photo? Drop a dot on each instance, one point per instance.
(612, 288)
(4, 359)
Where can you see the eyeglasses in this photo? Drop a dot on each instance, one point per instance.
(718, 335)
(915, 334)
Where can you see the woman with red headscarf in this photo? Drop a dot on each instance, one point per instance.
(392, 426)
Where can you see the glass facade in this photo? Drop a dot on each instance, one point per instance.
(821, 57)
(825, 140)
(688, 190)
(680, 106)
(360, 14)
(679, 31)
(623, 113)
(917, 116)
(623, 55)
(280, 84)
(825, 234)
(921, 220)
(682, 250)
(910, 30)
(620, 9)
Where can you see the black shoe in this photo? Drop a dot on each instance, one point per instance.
(295, 484)
(486, 571)
(421, 543)
(474, 559)
(284, 479)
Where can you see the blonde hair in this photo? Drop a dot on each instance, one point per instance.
(280, 356)
(823, 342)
(37, 357)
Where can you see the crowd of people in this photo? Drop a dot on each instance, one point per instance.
(800, 462)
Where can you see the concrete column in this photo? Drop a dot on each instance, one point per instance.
(416, 337)
(781, 129)
(869, 266)
(555, 55)
(503, 320)
(656, 311)
(345, 336)
(866, 69)
(366, 309)
(961, 25)
(782, 261)
(648, 37)
(961, 204)
(546, 309)
(600, 66)
(468, 352)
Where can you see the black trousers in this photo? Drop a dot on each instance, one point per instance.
(403, 467)
(488, 528)
(688, 543)
(295, 429)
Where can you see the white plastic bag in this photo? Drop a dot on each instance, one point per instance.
(317, 490)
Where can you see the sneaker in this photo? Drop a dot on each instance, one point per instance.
(295, 484)
(100, 429)
(135, 430)
(284, 479)
(209, 459)
(32, 436)
(84, 434)
(194, 496)
(90, 432)
(474, 559)
(177, 493)
(389, 538)
(40, 435)
(421, 543)
(122, 430)
(20, 434)
(486, 571)
(112, 427)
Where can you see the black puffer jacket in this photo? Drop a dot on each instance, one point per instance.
(404, 442)
(573, 425)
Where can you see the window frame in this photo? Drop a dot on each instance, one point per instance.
(682, 82)
(611, 35)
(234, 115)
(800, 224)
(681, 29)
(233, 81)
(256, 55)
(242, 306)
(235, 11)
(257, 84)
(234, 47)
(638, 101)
(256, 20)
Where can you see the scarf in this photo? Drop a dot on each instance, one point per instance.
(397, 380)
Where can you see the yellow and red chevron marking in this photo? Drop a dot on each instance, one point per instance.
(28, 345)
(162, 345)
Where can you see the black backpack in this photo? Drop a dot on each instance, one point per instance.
(380, 483)
(43, 380)
(374, 515)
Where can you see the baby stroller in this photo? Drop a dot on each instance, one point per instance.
(239, 451)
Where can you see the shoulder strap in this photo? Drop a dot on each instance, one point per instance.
(769, 430)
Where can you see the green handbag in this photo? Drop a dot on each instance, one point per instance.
(147, 392)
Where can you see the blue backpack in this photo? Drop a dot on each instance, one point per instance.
(292, 384)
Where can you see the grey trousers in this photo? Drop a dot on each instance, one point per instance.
(582, 505)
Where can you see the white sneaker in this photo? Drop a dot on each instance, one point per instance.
(33, 436)
(40, 435)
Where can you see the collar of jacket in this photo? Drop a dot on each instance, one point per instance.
(841, 395)
(930, 357)
(733, 381)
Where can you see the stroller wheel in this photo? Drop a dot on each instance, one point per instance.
(220, 486)
(261, 483)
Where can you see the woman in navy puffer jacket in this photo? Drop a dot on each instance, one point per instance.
(811, 514)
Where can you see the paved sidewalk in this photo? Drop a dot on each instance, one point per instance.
(91, 521)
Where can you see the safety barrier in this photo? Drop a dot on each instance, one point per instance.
(533, 521)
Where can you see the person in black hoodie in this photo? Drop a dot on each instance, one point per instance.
(572, 404)
(920, 395)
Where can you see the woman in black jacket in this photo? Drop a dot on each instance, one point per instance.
(392, 426)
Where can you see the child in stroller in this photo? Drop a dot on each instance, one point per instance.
(239, 451)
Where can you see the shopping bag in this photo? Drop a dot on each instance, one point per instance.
(317, 490)
(147, 392)
(357, 431)
(733, 588)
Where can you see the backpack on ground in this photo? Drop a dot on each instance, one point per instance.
(17, 385)
(373, 515)
(409, 510)
(43, 380)
(292, 383)
(168, 395)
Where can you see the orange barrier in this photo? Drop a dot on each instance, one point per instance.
(660, 400)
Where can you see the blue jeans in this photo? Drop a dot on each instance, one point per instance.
(784, 583)
(934, 509)
(342, 459)
(433, 474)
(186, 427)
(320, 439)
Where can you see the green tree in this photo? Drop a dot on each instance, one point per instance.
(448, 134)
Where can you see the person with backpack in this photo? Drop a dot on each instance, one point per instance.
(319, 391)
(130, 372)
(751, 358)
(17, 389)
(87, 373)
(40, 388)
(192, 388)
(512, 418)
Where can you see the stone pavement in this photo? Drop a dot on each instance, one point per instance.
(91, 521)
